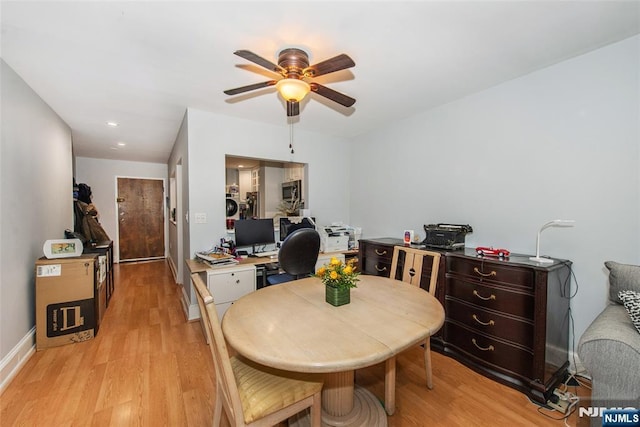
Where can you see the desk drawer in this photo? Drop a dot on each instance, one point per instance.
(491, 297)
(489, 351)
(227, 285)
(490, 322)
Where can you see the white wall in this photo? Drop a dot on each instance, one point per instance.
(562, 142)
(101, 175)
(212, 136)
(36, 197)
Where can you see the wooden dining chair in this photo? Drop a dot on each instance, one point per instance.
(411, 273)
(251, 394)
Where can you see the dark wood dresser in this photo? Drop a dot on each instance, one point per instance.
(506, 319)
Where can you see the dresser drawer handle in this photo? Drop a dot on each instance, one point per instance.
(493, 272)
(490, 297)
(380, 269)
(490, 348)
(489, 323)
(384, 252)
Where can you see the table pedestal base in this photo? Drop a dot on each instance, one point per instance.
(367, 412)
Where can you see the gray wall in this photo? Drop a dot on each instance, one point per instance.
(36, 204)
(562, 142)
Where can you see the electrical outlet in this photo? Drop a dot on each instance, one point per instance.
(201, 218)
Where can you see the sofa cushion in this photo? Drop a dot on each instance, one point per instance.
(622, 277)
(631, 301)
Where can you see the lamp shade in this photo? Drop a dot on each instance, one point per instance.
(293, 89)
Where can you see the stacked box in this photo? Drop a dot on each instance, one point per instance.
(66, 308)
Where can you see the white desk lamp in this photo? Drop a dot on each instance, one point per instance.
(554, 223)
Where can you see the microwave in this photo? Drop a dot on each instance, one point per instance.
(292, 190)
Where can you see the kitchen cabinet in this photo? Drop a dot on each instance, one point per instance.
(293, 173)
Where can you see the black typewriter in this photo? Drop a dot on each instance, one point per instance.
(446, 236)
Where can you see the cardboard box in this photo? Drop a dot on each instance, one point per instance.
(66, 306)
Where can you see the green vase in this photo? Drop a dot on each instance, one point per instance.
(337, 296)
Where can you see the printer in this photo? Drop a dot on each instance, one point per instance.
(333, 238)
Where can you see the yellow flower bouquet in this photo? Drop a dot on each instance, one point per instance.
(338, 278)
(339, 274)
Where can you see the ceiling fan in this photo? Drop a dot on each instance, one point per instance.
(293, 65)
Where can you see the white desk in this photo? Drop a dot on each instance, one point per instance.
(291, 327)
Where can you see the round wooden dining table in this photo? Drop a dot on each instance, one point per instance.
(291, 327)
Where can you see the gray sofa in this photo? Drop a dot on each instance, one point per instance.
(610, 347)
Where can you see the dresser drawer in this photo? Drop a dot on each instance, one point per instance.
(376, 258)
(491, 297)
(376, 267)
(490, 322)
(483, 270)
(488, 351)
(381, 252)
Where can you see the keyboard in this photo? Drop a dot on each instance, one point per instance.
(266, 254)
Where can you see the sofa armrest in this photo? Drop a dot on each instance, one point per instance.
(610, 351)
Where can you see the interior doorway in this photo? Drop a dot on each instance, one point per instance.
(140, 219)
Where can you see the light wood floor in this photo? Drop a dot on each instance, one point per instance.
(145, 369)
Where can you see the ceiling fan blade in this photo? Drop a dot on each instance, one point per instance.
(247, 88)
(333, 95)
(257, 59)
(293, 108)
(331, 65)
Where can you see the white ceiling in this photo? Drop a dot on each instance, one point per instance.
(142, 64)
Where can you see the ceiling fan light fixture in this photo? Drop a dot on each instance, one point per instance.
(293, 89)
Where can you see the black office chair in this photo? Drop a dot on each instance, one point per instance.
(297, 256)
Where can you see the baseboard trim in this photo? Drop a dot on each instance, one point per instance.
(191, 311)
(17, 357)
(576, 367)
(173, 269)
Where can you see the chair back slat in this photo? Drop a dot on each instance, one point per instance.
(225, 380)
(412, 265)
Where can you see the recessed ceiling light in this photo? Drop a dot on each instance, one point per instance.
(122, 144)
(112, 124)
(240, 166)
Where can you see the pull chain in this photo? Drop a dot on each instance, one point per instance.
(291, 135)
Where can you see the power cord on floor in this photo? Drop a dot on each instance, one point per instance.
(573, 403)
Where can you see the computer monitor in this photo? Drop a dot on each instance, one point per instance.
(253, 232)
(292, 223)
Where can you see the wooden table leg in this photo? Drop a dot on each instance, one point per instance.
(390, 385)
(337, 393)
(345, 405)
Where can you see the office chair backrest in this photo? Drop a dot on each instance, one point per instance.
(299, 252)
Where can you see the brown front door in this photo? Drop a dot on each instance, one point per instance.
(140, 218)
